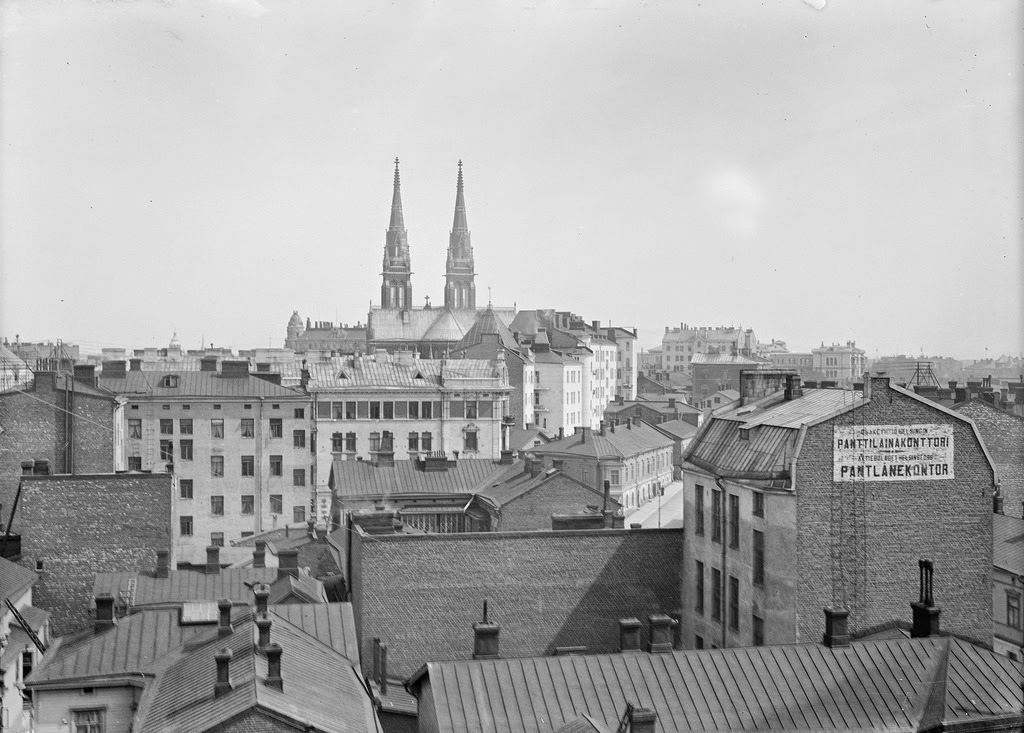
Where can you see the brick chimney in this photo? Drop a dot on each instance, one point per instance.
(263, 626)
(234, 369)
(288, 563)
(114, 369)
(629, 634)
(223, 617)
(836, 634)
(208, 364)
(27, 467)
(105, 612)
(925, 612)
(135, 365)
(536, 467)
(793, 389)
(642, 720)
(262, 593)
(485, 638)
(162, 563)
(259, 554)
(86, 374)
(274, 678)
(212, 560)
(661, 633)
(223, 684)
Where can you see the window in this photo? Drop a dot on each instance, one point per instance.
(426, 442)
(166, 450)
(298, 514)
(1013, 609)
(337, 442)
(276, 428)
(614, 477)
(758, 630)
(336, 410)
(387, 441)
(457, 409)
(216, 539)
(414, 441)
(171, 380)
(716, 515)
(185, 426)
(734, 521)
(414, 410)
(375, 411)
(700, 588)
(185, 486)
(300, 413)
(716, 594)
(276, 465)
(698, 641)
(299, 438)
(217, 466)
(217, 506)
(88, 721)
(350, 442)
(186, 450)
(216, 407)
(350, 410)
(734, 603)
(248, 427)
(248, 505)
(389, 410)
(758, 558)
(248, 407)
(698, 509)
(217, 428)
(135, 429)
(299, 477)
(374, 442)
(248, 466)
(427, 411)
(276, 504)
(471, 411)
(758, 504)
(186, 526)
(167, 427)
(469, 440)
(134, 463)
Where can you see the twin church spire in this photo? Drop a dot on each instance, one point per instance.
(396, 289)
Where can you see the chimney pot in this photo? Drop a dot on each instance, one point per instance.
(224, 617)
(263, 626)
(485, 638)
(288, 563)
(661, 633)
(262, 593)
(223, 684)
(836, 634)
(162, 563)
(212, 560)
(274, 679)
(629, 634)
(642, 720)
(925, 612)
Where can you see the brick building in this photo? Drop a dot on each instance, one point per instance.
(75, 526)
(70, 423)
(680, 345)
(814, 497)
(421, 594)
(241, 446)
(1003, 433)
(718, 371)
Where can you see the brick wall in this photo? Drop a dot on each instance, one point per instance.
(421, 594)
(80, 525)
(34, 428)
(881, 529)
(558, 495)
(254, 722)
(1003, 433)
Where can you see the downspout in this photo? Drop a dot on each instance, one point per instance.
(722, 595)
(258, 470)
(313, 507)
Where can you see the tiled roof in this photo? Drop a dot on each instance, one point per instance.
(363, 479)
(626, 440)
(14, 580)
(1008, 543)
(900, 685)
(194, 384)
(321, 690)
(182, 586)
(386, 372)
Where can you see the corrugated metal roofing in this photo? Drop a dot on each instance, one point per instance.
(184, 585)
(1008, 543)
(888, 685)
(363, 479)
(195, 384)
(623, 442)
(813, 406)
(765, 454)
(730, 358)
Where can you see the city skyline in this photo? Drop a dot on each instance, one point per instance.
(207, 169)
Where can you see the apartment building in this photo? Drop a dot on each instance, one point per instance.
(241, 446)
(680, 345)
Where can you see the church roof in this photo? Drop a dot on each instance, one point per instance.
(446, 327)
(391, 324)
(488, 324)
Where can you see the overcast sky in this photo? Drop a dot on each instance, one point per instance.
(206, 167)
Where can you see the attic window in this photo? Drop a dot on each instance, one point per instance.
(419, 375)
(744, 433)
(342, 375)
(171, 380)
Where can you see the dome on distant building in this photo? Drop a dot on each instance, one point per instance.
(295, 321)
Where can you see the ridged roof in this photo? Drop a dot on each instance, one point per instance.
(900, 685)
(387, 372)
(412, 325)
(182, 586)
(625, 441)
(764, 455)
(364, 480)
(446, 327)
(194, 384)
(488, 324)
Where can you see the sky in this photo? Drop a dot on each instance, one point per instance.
(819, 172)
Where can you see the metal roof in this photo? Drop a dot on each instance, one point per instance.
(180, 586)
(194, 384)
(899, 685)
(416, 324)
(1008, 543)
(385, 371)
(14, 580)
(765, 453)
(364, 479)
(332, 623)
(815, 405)
(622, 442)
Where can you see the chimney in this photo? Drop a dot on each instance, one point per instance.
(135, 365)
(793, 388)
(263, 626)
(925, 612)
(961, 394)
(671, 403)
(835, 634)
(661, 633)
(952, 385)
(602, 428)
(561, 433)
(620, 400)
(262, 593)
(584, 435)
(223, 617)
(208, 364)
(375, 670)
(233, 369)
(288, 563)
(274, 679)
(642, 720)
(259, 554)
(41, 467)
(212, 560)
(114, 369)
(997, 503)
(27, 467)
(485, 638)
(382, 681)
(536, 467)
(105, 613)
(223, 685)
(86, 374)
(629, 634)
(162, 563)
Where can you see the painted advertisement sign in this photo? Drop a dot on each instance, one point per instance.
(892, 452)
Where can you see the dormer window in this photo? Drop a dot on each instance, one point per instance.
(744, 433)
(170, 380)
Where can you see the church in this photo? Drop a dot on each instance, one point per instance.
(396, 325)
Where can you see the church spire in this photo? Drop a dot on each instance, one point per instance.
(460, 290)
(396, 289)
